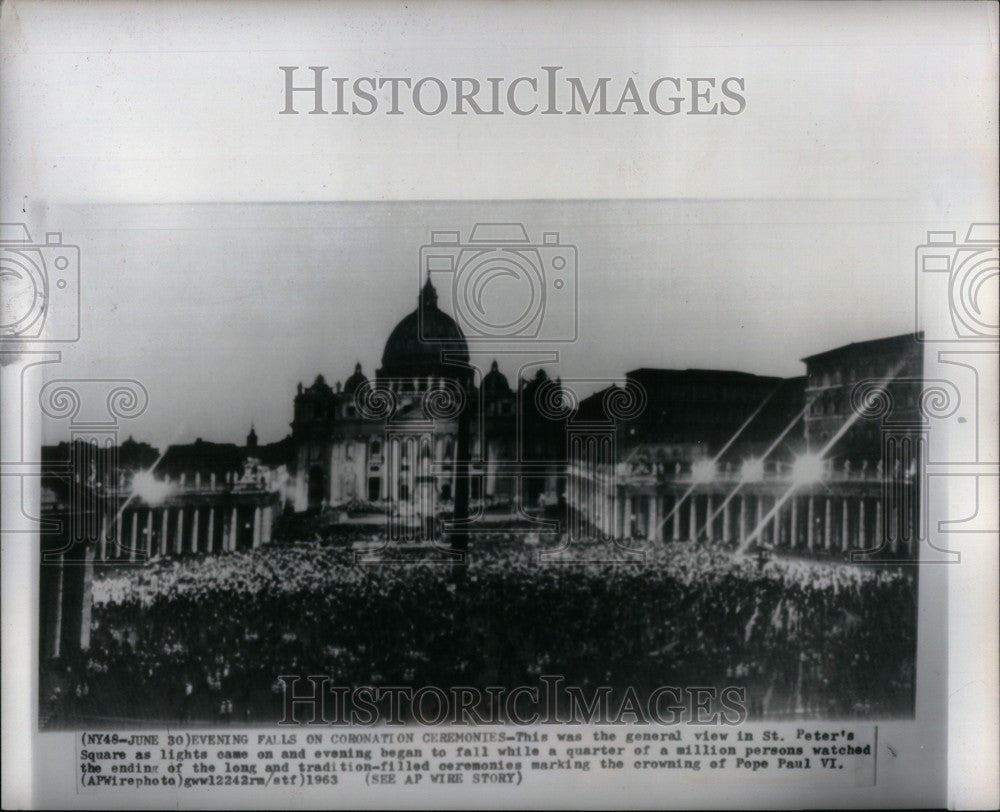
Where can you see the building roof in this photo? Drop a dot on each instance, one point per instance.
(875, 345)
(654, 373)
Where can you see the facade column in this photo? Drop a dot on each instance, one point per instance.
(759, 528)
(692, 502)
(266, 529)
(164, 527)
(652, 520)
(676, 510)
(608, 524)
(862, 544)
(600, 517)
(397, 468)
(912, 517)
(827, 534)
(709, 520)
(793, 539)
(234, 530)
(844, 526)
(179, 538)
(133, 547)
(743, 518)
(194, 530)
(210, 542)
(103, 540)
(412, 460)
(811, 530)
(454, 470)
(726, 530)
(622, 513)
(879, 525)
(387, 470)
(612, 512)
(118, 549)
(256, 528)
(149, 534)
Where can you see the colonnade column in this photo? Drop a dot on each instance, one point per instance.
(256, 528)
(102, 542)
(134, 538)
(811, 530)
(653, 521)
(879, 525)
(194, 530)
(266, 529)
(179, 537)
(234, 528)
(844, 525)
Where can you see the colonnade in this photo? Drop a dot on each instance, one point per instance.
(141, 532)
(820, 518)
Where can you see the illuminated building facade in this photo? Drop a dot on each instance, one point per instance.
(825, 463)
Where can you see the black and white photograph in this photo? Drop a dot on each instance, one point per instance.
(500, 455)
(499, 405)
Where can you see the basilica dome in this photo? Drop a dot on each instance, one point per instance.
(495, 383)
(415, 346)
(357, 379)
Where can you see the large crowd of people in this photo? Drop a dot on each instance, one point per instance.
(206, 638)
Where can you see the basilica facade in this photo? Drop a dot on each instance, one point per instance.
(426, 424)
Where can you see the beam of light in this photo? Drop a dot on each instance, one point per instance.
(723, 450)
(807, 469)
(152, 468)
(778, 503)
(703, 471)
(151, 490)
(774, 444)
(752, 470)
